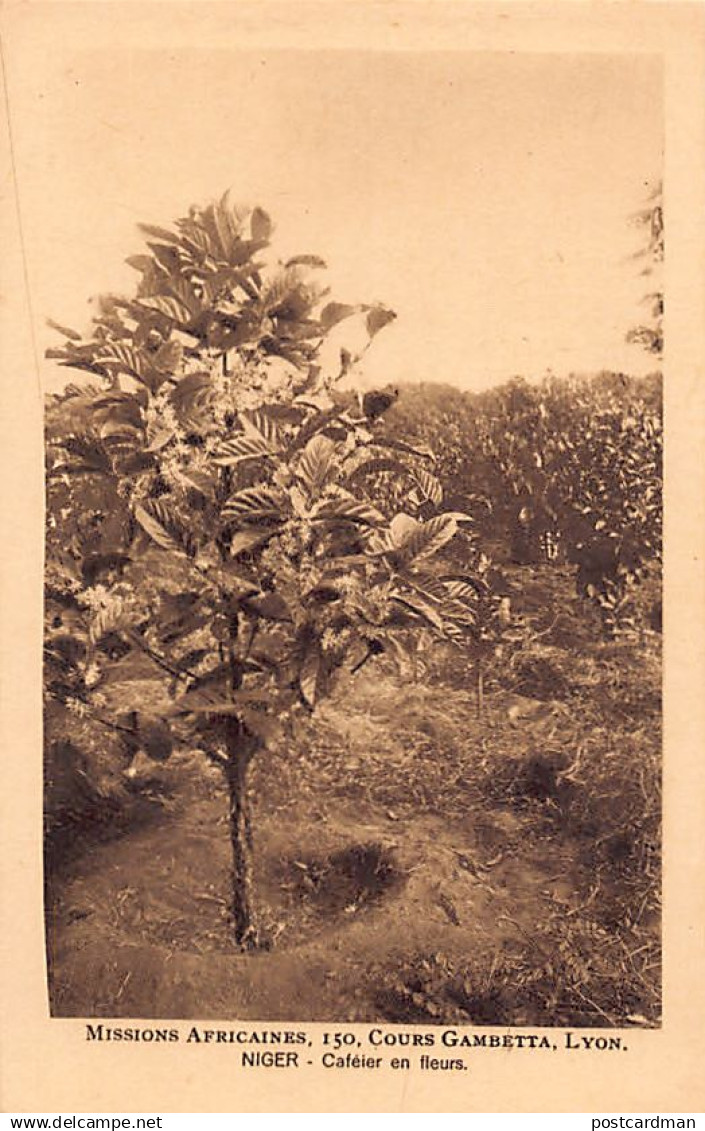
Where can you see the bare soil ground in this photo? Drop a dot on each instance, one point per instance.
(416, 863)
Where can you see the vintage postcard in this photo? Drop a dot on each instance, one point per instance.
(352, 608)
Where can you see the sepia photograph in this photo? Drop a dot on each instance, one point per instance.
(353, 501)
(351, 372)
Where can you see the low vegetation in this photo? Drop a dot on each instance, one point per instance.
(370, 685)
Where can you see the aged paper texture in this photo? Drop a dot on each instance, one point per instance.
(456, 897)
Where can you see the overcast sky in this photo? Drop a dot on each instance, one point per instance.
(485, 197)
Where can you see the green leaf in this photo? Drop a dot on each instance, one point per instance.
(142, 263)
(160, 440)
(377, 319)
(170, 307)
(165, 528)
(382, 463)
(316, 462)
(240, 448)
(118, 357)
(427, 539)
(335, 312)
(126, 407)
(259, 425)
(254, 503)
(202, 482)
(427, 585)
(114, 432)
(225, 226)
(168, 357)
(429, 485)
(420, 607)
(133, 360)
(162, 234)
(306, 261)
(260, 225)
(91, 451)
(402, 527)
(167, 257)
(67, 333)
(348, 509)
(192, 392)
(463, 591)
(111, 618)
(183, 291)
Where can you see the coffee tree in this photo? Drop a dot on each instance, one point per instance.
(239, 544)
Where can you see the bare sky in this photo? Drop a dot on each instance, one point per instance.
(485, 197)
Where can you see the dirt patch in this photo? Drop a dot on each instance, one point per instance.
(414, 862)
(344, 881)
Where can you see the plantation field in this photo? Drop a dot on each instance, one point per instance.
(418, 859)
(352, 694)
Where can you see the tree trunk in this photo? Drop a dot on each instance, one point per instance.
(241, 748)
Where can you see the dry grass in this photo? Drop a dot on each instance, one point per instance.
(398, 835)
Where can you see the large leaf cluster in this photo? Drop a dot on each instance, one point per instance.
(249, 553)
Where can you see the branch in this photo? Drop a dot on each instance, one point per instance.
(92, 714)
(251, 639)
(178, 673)
(213, 756)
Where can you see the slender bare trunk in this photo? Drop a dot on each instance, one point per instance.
(241, 748)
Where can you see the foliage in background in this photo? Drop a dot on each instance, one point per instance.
(559, 470)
